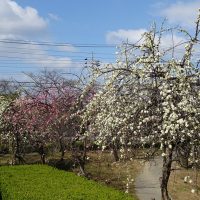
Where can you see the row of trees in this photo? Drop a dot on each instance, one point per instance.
(149, 99)
(44, 113)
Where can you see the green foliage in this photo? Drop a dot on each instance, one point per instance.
(37, 182)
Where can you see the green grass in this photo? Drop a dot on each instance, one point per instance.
(37, 182)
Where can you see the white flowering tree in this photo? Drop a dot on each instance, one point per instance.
(5, 102)
(149, 97)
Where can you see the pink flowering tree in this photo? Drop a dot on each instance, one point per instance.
(48, 113)
(44, 118)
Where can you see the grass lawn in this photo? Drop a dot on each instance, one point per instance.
(102, 168)
(37, 182)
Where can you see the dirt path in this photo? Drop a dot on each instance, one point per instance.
(147, 183)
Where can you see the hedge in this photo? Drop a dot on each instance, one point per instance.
(41, 182)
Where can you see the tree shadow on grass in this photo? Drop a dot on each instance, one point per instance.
(66, 165)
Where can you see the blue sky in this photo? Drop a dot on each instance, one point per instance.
(88, 21)
(78, 22)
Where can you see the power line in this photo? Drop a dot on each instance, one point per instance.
(37, 43)
(43, 54)
(61, 51)
(30, 67)
(22, 58)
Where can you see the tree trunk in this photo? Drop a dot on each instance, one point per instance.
(43, 158)
(79, 155)
(166, 170)
(82, 160)
(62, 150)
(82, 166)
(42, 153)
(84, 150)
(16, 151)
(115, 152)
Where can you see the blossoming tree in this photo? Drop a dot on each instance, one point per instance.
(43, 117)
(150, 96)
(6, 101)
(47, 112)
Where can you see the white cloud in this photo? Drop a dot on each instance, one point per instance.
(19, 22)
(67, 48)
(25, 23)
(41, 58)
(134, 35)
(169, 41)
(32, 56)
(181, 13)
(123, 35)
(54, 17)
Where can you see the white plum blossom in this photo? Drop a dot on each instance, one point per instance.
(193, 191)
(149, 98)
